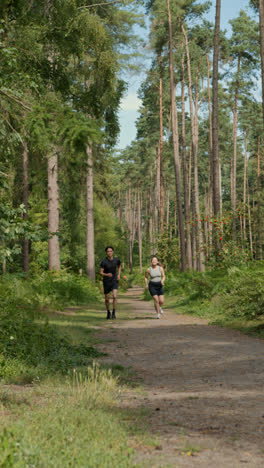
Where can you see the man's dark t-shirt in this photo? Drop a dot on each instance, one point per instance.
(110, 266)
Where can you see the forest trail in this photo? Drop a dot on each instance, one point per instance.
(202, 387)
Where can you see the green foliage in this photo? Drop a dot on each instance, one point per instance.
(13, 228)
(225, 251)
(58, 289)
(72, 426)
(29, 347)
(168, 249)
(195, 285)
(245, 293)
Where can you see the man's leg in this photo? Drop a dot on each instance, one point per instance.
(107, 305)
(114, 303)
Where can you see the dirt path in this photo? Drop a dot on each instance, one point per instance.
(203, 387)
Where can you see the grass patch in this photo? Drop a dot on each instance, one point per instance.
(71, 425)
(227, 298)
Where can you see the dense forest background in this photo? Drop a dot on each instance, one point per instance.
(189, 187)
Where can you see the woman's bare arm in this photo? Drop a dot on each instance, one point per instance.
(163, 277)
(146, 278)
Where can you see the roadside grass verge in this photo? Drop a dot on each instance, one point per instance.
(233, 298)
(65, 424)
(58, 406)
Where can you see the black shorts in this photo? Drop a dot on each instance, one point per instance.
(155, 289)
(110, 285)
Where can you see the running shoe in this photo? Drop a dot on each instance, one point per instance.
(161, 311)
(158, 316)
(108, 315)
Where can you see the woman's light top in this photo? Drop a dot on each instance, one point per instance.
(155, 274)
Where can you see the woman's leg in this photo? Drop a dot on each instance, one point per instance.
(156, 303)
(161, 302)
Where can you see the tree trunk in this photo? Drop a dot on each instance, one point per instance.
(210, 172)
(245, 189)
(168, 204)
(90, 265)
(215, 159)
(120, 211)
(151, 220)
(199, 234)
(25, 248)
(249, 223)
(195, 139)
(161, 190)
(187, 208)
(234, 160)
(139, 232)
(131, 225)
(261, 28)
(53, 212)
(158, 185)
(259, 206)
(175, 138)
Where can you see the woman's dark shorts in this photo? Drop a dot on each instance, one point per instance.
(109, 286)
(155, 289)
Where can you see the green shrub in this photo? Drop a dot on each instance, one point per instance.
(245, 295)
(62, 288)
(29, 347)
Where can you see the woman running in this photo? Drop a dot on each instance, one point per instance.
(156, 283)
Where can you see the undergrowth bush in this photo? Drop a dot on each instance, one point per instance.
(195, 285)
(29, 347)
(62, 288)
(244, 297)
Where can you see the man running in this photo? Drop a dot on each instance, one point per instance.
(110, 279)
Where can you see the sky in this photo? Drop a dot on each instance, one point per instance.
(131, 103)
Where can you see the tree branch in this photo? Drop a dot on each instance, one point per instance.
(15, 99)
(97, 4)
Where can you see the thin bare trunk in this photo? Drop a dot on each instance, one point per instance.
(215, 159)
(195, 140)
(259, 206)
(90, 265)
(249, 223)
(168, 204)
(139, 231)
(150, 215)
(158, 185)
(234, 160)
(261, 27)
(175, 138)
(199, 235)
(25, 248)
(131, 224)
(210, 172)
(187, 208)
(162, 198)
(120, 211)
(245, 188)
(53, 212)
(175, 217)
